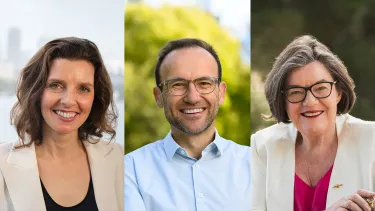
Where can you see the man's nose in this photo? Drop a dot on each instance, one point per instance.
(192, 95)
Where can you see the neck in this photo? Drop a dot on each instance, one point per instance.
(321, 142)
(194, 144)
(58, 146)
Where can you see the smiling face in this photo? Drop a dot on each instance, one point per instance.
(192, 113)
(312, 117)
(68, 96)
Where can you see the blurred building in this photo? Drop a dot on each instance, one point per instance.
(1, 50)
(14, 46)
(7, 71)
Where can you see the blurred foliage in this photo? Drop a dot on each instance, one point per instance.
(147, 29)
(259, 104)
(347, 28)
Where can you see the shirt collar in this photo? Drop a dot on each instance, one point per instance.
(170, 146)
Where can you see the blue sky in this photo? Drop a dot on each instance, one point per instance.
(234, 15)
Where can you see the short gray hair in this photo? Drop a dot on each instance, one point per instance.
(300, 52)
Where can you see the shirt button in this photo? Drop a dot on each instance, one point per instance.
(200, 195)
(196, 165)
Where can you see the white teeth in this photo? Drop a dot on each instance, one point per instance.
(313, 114)
(66, 114)
(192, 111)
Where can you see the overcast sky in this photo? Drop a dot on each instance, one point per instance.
(100, 21)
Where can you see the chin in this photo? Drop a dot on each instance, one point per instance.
(64, 131)
(315, 129)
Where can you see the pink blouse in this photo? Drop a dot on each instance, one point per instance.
(308, 198)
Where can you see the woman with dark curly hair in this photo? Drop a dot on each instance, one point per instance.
(318, 156)
(64, 109)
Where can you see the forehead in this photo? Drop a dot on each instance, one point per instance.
(188, 63)
(65, 69)
(308, 74)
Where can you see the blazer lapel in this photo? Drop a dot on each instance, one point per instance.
(287, 168)
(102, 173)
(283, 176)
(22, 179)
(338, 184)
(343, 181)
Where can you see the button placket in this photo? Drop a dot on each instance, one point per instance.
(199, 195)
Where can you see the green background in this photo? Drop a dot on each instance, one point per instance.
(147, 29)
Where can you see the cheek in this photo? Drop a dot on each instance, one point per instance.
(331, 105)
(47, 101)
(292, 110)
(173, 101)
(86, 102)
(213, 100)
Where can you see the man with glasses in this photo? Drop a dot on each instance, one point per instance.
(192, 168)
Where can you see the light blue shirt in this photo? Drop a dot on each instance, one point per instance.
(161, 176)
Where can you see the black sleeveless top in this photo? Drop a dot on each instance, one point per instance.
(88, 203)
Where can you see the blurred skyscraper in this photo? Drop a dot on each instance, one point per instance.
(14, 46)
(1, 50)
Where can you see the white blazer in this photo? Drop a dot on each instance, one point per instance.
(20, 187)
(273, 163)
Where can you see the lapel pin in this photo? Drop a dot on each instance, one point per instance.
(337, 186)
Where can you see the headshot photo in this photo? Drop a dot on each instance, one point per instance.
(187, 126)
(313, 129)
(62, 148)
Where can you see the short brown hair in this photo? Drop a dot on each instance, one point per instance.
(180, 44)
(26, 113)
(300, 52)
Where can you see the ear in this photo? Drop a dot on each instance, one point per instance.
(222, 91)
(158, 95)
(338, 96)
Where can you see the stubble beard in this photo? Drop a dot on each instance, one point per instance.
(180, 125)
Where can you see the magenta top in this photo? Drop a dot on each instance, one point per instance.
(307, 198)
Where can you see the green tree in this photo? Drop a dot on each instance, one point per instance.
(147, 29)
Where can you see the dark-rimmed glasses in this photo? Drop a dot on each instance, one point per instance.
(298, 94)
(179, 86)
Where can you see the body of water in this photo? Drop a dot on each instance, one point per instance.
(8, 132)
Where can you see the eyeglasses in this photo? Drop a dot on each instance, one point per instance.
(298, 93)
(204, 85)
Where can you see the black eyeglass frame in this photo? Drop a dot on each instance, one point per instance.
(165, 83)
(309, 89)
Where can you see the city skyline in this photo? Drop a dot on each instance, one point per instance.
(97, 21)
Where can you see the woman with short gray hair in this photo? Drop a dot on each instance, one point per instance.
(318, 156)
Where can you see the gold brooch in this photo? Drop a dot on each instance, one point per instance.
(371, 202)
(337, 186)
